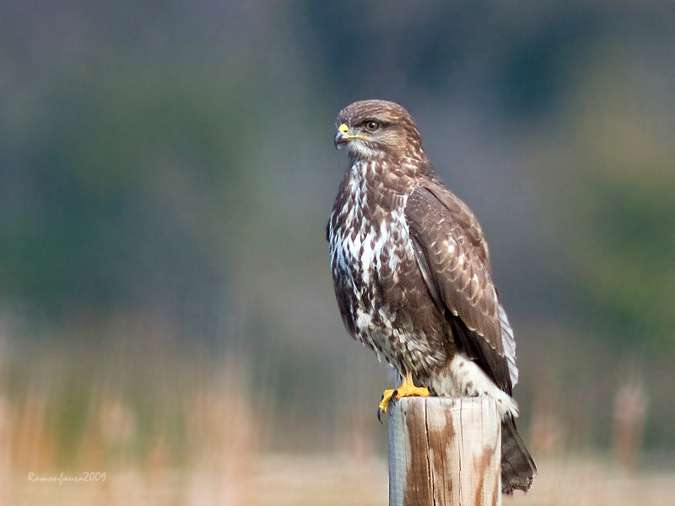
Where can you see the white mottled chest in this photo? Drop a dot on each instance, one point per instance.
(365, 238)
(374, 267)
(369, 246)
(363, 248)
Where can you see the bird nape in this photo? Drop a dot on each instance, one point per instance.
(412, 275)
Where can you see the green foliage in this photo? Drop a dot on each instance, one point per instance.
(632, 252)
(118, 174)
(615, 183)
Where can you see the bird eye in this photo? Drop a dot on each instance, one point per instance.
(371, 125)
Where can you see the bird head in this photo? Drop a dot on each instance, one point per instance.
(373, 128)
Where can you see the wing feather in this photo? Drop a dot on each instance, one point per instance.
(453, 257)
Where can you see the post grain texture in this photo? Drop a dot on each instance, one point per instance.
(444, 452)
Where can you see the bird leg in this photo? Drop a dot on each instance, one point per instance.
(407, 389)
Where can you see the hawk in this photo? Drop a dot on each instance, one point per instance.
(412, 275)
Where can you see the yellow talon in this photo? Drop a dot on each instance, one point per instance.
(407, 389)
(386, 399)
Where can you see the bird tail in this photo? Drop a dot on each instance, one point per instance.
(518, 467)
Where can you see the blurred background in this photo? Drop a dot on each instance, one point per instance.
(167, 171)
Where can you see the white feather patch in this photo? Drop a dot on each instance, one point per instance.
(465, 378)
(509, 343)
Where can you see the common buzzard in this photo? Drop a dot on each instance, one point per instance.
(412, 274)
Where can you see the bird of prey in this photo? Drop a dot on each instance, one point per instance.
(412, 274)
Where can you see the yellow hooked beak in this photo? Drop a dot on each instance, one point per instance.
(342, 137)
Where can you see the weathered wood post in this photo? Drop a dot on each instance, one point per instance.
(444, 452)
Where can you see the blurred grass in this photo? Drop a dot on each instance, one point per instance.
(332, 481)
(171, 426)
(138, 410)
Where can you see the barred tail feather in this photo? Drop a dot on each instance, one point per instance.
(518, 467)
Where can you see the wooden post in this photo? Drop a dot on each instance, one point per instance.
(444, 452)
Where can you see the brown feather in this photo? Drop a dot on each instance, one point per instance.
(456, 254)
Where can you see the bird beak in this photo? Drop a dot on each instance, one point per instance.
(342, 136)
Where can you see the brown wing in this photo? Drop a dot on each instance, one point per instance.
(454, 260)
